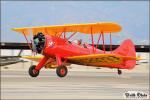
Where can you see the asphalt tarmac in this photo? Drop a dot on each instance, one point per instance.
(76, 85)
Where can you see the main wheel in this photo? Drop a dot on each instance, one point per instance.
(33, 72)
(119, 72)
(61, 71)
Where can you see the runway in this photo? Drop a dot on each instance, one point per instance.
(76, 85)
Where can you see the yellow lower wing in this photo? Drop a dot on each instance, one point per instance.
(97, 59)
(33, 58)
(93, 59)
(131, 58)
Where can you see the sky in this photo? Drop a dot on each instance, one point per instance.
(133, 16)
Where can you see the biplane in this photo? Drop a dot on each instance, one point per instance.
(57, 49)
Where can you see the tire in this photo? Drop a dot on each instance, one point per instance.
(119, 72)
(33, 72)
(61, 71)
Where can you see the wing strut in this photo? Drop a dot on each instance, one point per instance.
(103, 42)
(92, 40)
(72, 35)
(27, 40)
(64, 33)
(98, 40)
(60, 34)
(110, 43)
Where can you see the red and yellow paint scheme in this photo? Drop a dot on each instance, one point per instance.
(51, 63)
(53, 43)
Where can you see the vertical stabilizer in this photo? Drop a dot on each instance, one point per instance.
(127, 48)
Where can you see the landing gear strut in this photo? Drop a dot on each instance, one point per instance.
(119, 72)
(33, 72)
(61, 71)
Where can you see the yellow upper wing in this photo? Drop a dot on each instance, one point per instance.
(106, 27)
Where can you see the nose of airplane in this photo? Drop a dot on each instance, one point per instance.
(38, 42)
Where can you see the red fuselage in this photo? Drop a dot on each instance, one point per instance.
(63, 48)
(59, 48)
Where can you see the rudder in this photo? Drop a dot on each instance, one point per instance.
(127, 48)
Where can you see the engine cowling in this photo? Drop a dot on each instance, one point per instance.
(38, 42)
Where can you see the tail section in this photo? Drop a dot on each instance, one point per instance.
(127, 49)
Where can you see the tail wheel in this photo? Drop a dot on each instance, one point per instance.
(33, 72)
(119, 72)
(61, 71)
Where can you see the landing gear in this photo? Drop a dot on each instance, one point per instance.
(119, 72)
(33, 72)
(61, 71)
